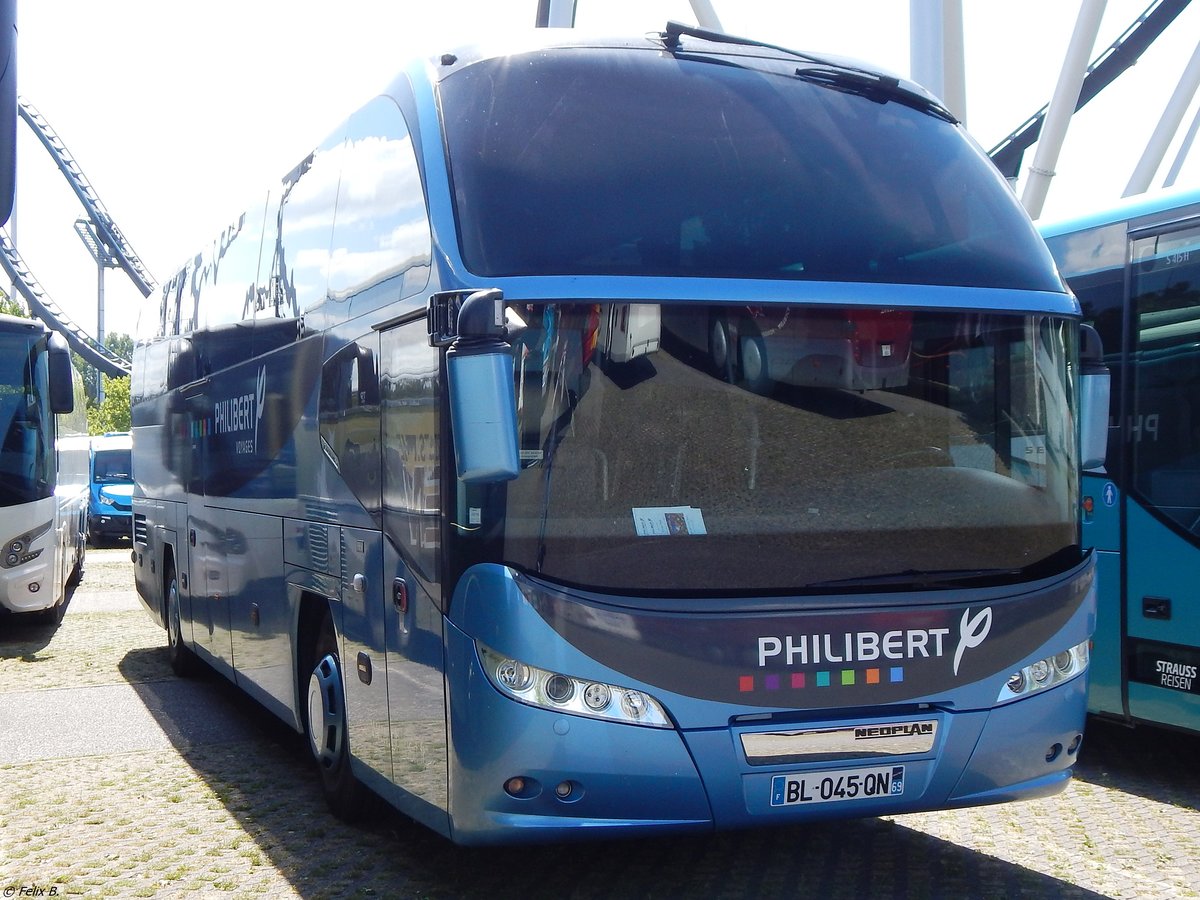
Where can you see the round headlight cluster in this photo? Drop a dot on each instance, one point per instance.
(17, 551)
(1045, 673)
(568, 694)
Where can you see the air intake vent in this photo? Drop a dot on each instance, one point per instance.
(141, 532)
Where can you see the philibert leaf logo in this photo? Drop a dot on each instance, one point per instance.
(971, 632)
(259, 396)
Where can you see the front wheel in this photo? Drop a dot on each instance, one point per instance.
(326, 728)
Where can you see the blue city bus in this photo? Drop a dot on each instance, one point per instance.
(598, 438)
(1136, 271)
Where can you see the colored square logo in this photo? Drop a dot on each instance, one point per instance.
(797, 679)
(872, 676)
(746, 683)
(897, 674)
(771, 682)
(847, 676)
(822, 679)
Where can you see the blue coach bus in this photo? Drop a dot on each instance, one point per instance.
(610, 437)
(1136, 271)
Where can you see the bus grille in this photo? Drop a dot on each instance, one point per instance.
(141, 532)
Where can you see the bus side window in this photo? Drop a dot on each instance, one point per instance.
(297, 242)
(349, 416)
(381, 246)
(1164, 427)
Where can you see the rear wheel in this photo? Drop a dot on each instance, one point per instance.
(183, 661)
(753, 358)
(326, 729)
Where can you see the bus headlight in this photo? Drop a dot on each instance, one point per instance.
(19, 550)
(1045, 673)
(568, 694)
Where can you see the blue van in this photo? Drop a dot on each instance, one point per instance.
(110, 504)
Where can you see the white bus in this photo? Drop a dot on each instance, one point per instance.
(43, 469)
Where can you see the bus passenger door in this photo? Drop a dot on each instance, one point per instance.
(364, 657)
(209, 598)
(1162, 512)
(412, 507)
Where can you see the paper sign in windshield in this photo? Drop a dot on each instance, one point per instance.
(668, 520)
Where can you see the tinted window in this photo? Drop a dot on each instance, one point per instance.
(1164, 430)
(602, 162)
(381, 233)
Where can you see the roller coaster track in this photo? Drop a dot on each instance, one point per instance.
(47, 310)
(113, 240)
(1104, 70)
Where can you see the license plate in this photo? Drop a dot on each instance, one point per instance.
(837, 784)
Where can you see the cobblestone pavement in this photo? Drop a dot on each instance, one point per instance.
(119, 780)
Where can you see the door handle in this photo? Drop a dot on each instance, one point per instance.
(400, 595)
(1156, 607)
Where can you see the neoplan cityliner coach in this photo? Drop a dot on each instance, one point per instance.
(599, 437)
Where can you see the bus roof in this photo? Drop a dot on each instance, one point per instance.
(1126, 209)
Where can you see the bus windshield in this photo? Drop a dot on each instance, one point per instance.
(738, 170)
(27, 452)
(693, 449)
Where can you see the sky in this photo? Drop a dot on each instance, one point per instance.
(178, 112)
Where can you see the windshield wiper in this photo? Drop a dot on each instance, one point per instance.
(917, 580)
(827, 73)
(675, 29)
(873, 86)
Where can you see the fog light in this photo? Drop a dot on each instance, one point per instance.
(515, 787)
(563, 790)
(1075, 744)
(1054, 751)
(35, 586)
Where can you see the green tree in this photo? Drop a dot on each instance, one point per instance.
(118, 343)
(113, 413)
(11, 307)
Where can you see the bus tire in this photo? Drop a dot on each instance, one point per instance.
(718, 348)
(753, 359)
(326, 729)
(76, 575)
(52, 616)
(183, 661)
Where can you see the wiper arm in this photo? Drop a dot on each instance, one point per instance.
(880, 88)
(675, 29)
(916, 580)
(851, 79)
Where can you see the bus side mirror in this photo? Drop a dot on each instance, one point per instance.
(483, 406)
(1093, 402)
(62, 390)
